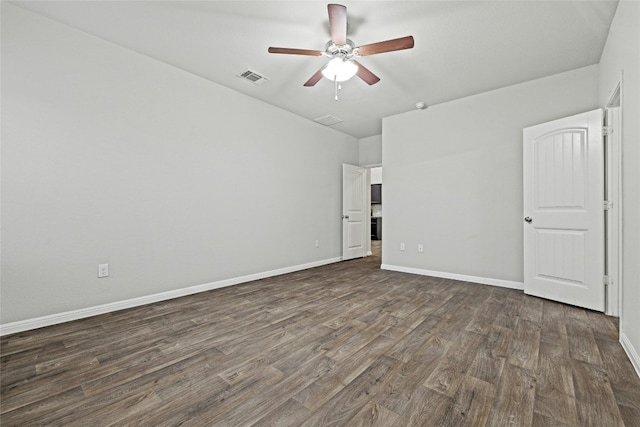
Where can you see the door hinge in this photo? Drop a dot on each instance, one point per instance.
(607, 205)
(605, 280)
(607, 130)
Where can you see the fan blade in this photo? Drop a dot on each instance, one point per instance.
(386, 46)
(295, 51)
(314, 79)
(338, 23)
(365, 74)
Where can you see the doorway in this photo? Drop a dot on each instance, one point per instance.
(572, 193)
(376, 224)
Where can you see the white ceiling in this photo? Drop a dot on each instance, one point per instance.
(461, 48)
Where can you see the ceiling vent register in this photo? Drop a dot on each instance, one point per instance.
(253, 77)
(328, 120)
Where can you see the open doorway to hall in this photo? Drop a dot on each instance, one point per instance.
(375, 174)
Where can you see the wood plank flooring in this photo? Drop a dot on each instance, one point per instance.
(340, 345)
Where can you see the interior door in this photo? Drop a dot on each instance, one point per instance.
(354, 211)
(563, 209)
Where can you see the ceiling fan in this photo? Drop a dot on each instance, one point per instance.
(343, 51)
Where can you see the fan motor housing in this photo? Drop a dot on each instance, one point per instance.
(345, 51)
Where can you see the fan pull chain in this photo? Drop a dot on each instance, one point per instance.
(337, 87)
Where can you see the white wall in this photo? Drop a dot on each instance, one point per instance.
(622, 54)
(370, 151)
(112, 157)
(453, 177)
(376, 175)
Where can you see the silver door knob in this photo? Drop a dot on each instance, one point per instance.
(528, 219)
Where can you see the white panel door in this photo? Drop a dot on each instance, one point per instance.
(354, 212)
(563, 209)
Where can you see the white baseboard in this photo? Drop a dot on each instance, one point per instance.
(54, 319)
(482, 280)
(632, 353)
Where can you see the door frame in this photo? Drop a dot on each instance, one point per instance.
(613, 217)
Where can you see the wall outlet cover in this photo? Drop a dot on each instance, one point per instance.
(103, 270)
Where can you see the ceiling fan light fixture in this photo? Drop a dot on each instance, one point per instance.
(339, 70)
(343, 52)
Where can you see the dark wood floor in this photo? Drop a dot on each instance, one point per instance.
(345, 344)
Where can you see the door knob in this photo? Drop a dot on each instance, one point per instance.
(529, 219)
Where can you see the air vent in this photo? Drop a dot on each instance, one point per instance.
(253, 77)
(328, 120)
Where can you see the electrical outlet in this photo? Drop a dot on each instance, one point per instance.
(103, 270)
(317, 243)
(420, 248)
(402, 247)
